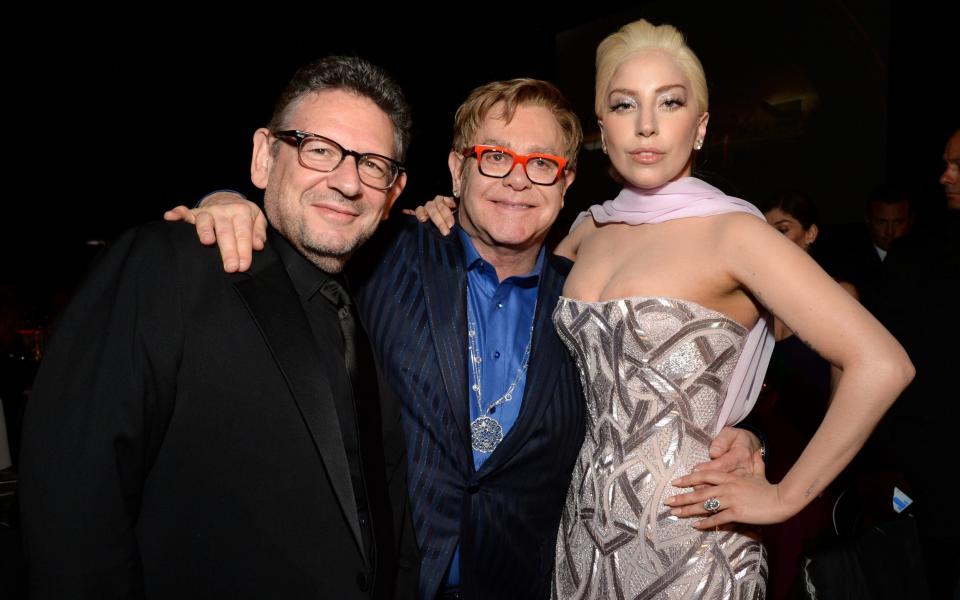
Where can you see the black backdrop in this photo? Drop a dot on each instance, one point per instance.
(113, 116)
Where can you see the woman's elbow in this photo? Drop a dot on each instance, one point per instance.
(908, 371)
(899, 370)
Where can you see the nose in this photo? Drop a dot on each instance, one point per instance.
(517, 178)
(646, 122)
(345, 178)
(950, 175)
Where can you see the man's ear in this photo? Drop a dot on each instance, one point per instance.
(392, 194)
(455, 162)
(262, 160)
(566, 181)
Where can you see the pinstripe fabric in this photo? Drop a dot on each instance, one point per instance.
(506, 515)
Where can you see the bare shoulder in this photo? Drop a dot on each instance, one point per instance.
(570, 245)
(584, 228)
(738, 220)
(740, 227)
(743, 243)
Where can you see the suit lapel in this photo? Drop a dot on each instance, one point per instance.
(445, 291)
(546, 354)
(270, 297)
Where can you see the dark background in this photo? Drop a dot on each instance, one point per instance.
(112, 118)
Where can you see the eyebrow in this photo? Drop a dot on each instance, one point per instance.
(659, 90)
(533, 150)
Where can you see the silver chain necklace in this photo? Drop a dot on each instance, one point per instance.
(486, 433)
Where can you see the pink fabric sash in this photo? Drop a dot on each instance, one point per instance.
(692, 197)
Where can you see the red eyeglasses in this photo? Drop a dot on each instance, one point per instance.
(497, 161)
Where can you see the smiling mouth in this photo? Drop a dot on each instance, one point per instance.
(512, 205)
(337, 210)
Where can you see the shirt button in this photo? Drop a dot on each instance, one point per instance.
(496, 354)
(499, 304)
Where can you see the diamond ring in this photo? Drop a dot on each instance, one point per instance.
(711, 505)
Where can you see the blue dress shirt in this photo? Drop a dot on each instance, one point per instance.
(503, 313)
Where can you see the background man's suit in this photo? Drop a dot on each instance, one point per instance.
(202, 455)
(411, 289)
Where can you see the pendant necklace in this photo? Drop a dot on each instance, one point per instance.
(486, 433)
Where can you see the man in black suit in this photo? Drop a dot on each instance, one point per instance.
(918, 308)
(194, 433)
(888, 216)
(486, 507)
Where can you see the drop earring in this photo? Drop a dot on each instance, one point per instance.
(698, 144)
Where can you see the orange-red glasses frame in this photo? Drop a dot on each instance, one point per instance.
(480, 149)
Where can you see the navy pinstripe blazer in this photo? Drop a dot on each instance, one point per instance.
(411, 288)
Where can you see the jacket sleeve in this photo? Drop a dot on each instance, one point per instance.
(395, 461)
(95, 419)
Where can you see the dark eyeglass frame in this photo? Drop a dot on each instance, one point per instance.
(479, 150)
(296, 137)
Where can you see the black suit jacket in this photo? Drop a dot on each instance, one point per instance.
(181, 441)
(412, 295)
(856, 261)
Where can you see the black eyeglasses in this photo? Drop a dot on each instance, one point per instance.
(325, 155)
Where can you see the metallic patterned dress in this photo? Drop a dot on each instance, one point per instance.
(654, 372)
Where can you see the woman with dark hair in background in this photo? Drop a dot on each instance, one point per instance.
(795, 396)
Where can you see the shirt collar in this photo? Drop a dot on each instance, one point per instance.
(307, 278)
(880, 252)
(474, 261)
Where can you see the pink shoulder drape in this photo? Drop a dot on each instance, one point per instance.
(680, 199)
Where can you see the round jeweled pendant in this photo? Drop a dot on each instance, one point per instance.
(485, 434)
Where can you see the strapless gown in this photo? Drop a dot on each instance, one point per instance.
(654, 373)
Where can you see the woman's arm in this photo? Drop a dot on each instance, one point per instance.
(835, 372)
(874, 370)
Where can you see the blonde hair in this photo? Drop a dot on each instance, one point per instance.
(514, 93)
(643, 35)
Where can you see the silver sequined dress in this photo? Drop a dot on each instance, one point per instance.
(654, 373)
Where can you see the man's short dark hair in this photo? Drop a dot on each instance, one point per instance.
(356, 75)
(890, 194)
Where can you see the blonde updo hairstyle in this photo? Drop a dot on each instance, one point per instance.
(643, 35)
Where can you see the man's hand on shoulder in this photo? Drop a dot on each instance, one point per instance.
(439, 211)
(235, 224)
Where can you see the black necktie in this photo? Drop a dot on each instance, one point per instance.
(358, 357)
(335, 293)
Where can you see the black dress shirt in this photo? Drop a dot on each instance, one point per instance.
(322, 314)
